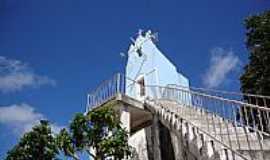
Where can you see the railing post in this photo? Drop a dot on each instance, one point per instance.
(88, 103)
(118, 83)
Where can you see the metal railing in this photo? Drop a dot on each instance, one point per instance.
(235, 124)
(259, 100)
(232, 122)
(243, 113)
(107, 90)
(239, 112)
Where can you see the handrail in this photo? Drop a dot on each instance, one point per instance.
(105, 91)
(239, 119)
(254, 117)
(122, 80)
(222, 92)
(223, 105)
(215, 97)
(186, 95)
(204, 132)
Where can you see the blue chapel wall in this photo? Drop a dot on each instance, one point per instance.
(154, 66)
(159, 71)
(183, 81)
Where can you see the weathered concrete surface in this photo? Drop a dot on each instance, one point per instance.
(157, 142)
(166, 147)
(174, 138)
(153, 142)
(158, 133)
(138, 141)
(152, 139)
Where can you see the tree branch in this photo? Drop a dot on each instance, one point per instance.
(91, 154)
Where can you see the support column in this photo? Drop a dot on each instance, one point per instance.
(156, 144)
(125, 118)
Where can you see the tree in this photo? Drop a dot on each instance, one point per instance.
(99, 133)
(256, 76)
(65, 144)
(39, 144)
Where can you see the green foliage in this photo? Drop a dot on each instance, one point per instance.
(256, 78)
(64, 143)
(99, 133)
(36, 144)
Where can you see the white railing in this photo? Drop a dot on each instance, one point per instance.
(107, 90)
(259, 100)
(253, 115)
(235, 124)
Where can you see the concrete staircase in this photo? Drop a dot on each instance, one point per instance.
(195, 121)
(209, 136)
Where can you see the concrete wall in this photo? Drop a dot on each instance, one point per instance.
(157, 142)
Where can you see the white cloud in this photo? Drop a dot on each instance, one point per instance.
(222, 62)
(15, 75)
(21, 118)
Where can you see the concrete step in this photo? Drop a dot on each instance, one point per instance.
(225, 132)
(208, 155)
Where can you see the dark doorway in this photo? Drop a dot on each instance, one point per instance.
(142, 86)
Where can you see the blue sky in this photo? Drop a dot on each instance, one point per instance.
(53, 52)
